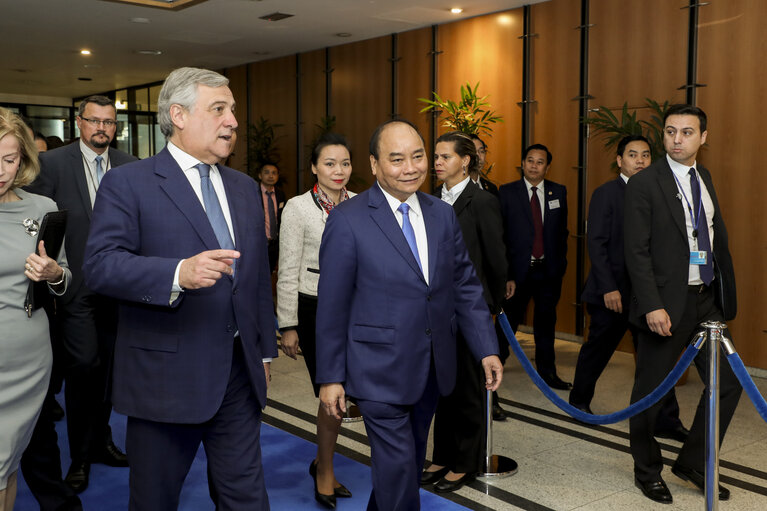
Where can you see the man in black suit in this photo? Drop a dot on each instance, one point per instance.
(608, 288)
(534, 212)
(70, 175)
(273, 199)
(476, 175)
(681, 274)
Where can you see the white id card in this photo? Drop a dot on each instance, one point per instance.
(554, 204)
(699, 257)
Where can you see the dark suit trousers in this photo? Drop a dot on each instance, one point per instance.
(161, 453)
(459, 424)
(397, 436)
(41, 464)
(544, 291)
(656, 356)
(88, 324)
(606, 330)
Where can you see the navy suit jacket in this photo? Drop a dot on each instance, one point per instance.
(378, 322)
(657, 250)
(605, 243)
(518, 224)
(62, 178)
(172, 361)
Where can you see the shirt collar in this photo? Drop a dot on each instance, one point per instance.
(412, 201)
(681, 171)
(529, 186)
(185, 161)
(90, 154)
(265, 188)
(624, 177)
(455, 191)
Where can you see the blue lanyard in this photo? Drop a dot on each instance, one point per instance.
(693, 219)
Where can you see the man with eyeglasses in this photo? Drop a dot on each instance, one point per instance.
(70, 175)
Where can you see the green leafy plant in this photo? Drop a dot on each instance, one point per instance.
(614, 127)
(471, 115)
(261, 145)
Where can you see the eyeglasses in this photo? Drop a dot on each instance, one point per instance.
(107, 123)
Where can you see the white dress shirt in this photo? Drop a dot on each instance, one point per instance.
(682, 175)
(451, 195)
(89, 166)
(419, 227)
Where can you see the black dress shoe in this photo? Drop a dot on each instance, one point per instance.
(655, 490)
(444, 486)
(329, 501)
(77, 476)
(583, 408)
(338, 491)
(698, 479)
(555, 382)
(679, 433)
(433, 477)
(499, 414)
(110, 455)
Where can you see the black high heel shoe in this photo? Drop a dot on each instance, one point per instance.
(328, 501)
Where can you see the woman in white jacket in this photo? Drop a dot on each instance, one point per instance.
(303, 221)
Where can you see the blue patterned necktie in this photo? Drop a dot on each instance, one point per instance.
(407, 230)
(704, 242)
(213, 208)
(99, 169)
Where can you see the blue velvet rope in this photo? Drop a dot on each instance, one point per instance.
(748, 384)
(611, 418)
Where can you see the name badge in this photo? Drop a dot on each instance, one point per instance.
(554, 204)
(699, 257)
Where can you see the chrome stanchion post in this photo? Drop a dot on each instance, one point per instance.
(714, 336)
(496, 466)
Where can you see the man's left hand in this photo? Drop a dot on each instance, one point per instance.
(268, 373)
(493, 372)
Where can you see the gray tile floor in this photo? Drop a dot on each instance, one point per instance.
(565, 465)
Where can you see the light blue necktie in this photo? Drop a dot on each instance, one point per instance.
(99, 169)
(213, 208)
(407, 230)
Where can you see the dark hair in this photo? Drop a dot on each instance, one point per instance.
(631, 138)
(538, 147)
(40, 136)
(375, 139)
(99, 100)
(463, 146)
(687, 110)
(54, 142)
(328, 139)
(474, 136)
(269, 163)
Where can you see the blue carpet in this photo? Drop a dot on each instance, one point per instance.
(286, 462)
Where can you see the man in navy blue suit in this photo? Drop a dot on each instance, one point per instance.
(608, 288)
(534, 212)
(179, 240)
(395, 284)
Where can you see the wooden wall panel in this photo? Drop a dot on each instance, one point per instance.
(361, 98)
(731, 47)
(487, 49)
(313, 87)
(238, 83)
(273, 96)
(414, 81)
(555, 79)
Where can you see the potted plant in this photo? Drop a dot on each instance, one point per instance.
(261, 145)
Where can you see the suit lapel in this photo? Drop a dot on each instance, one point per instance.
(431, 223)
(383, 216)
(464, 199)
(673, 197)
(81, 182)
(523, 197)
(181, 193)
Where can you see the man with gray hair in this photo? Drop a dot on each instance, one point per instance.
(71, 175)
(179, 240)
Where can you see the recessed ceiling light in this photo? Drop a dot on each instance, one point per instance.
(343, 34)
(85, 52)
(140, 20)
(149, 52)
(456, 10)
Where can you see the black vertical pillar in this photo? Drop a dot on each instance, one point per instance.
(394, 113)
(434, 74)
(583, 140)
(299, 129)
(527, 100)
(328, 84)
(692, 52)
(248, 120)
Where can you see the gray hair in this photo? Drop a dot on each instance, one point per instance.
(180, 88)
(98, 100)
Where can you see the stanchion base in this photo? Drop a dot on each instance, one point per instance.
(352, 414)
(500, 467)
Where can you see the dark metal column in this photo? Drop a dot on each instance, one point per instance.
(583, 144)
(434, 78)
(394, 59)
(527, 100)
(328, 84)
(692, 53)
(299, 130)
